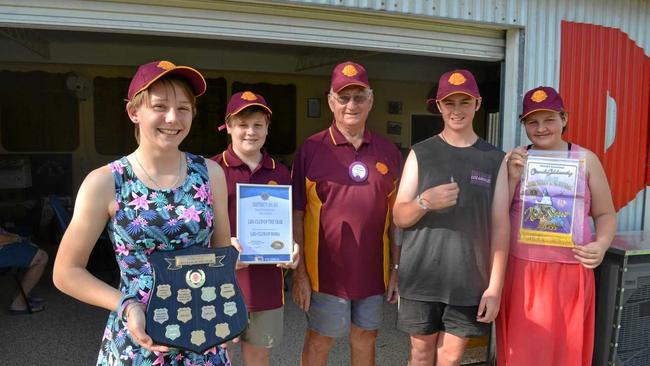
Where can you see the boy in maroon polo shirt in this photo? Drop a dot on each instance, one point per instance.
(344, 183)
(244, 161)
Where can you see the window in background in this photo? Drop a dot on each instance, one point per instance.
(114, 132)
(282, 100)
(38, 113)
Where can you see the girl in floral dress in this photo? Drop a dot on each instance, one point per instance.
(156, 198)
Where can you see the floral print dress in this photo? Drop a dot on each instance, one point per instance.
(147, 220)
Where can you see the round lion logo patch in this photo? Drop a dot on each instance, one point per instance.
(538, 96)
(349, 71)
(166, 65)
(381, 168)
(248, 96)
(456, 79)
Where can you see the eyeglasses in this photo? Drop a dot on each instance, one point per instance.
(344, 99)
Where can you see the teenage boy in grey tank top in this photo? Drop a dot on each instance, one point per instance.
(453, 206)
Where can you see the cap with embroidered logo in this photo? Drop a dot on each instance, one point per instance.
(148, 73)
(242, 100)
(348, 73)
(542, 98)
(454, 82)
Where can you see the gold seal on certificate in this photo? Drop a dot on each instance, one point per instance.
(264, 223)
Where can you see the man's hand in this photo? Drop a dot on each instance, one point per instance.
(295, 258)
(135, 323)
(488, 309)
(301, 289)
(590, 255)
(442, 196)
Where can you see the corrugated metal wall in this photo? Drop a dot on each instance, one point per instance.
(541, 20)
(484, 11)
(590, 56)
(623, 75)
(625, 159)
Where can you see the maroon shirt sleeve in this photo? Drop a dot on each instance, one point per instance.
(285, 176)
(298, 179)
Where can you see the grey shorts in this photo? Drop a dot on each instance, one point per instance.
(423, 318)
(332, 316)
(265, 328)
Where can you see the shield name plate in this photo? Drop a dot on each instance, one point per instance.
(195, 298)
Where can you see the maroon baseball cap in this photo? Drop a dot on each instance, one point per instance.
(148, 73)
(454, 82)
(348, 73)
(242, 100)
(542, 98)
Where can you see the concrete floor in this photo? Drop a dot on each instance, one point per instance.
(69, 332)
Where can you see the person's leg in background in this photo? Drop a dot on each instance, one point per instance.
(20, 252)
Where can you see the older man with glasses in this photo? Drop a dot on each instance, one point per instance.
(344, 185)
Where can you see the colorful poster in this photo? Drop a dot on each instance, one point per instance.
(550, 188)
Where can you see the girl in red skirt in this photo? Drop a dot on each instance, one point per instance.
(548, 302)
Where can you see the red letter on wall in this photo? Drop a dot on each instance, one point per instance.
(595, 62)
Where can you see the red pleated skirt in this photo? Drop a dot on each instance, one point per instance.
(547, 315)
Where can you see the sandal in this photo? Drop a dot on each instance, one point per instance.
(36, 307)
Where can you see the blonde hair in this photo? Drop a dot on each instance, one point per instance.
(143, 97)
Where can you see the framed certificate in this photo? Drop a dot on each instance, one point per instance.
(553, 197)
(264, 223)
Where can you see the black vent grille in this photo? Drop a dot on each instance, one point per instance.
(634, 336)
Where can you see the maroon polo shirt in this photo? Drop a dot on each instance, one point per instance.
(262, 284)
(346, 221)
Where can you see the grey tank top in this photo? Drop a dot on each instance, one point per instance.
(446, 255)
